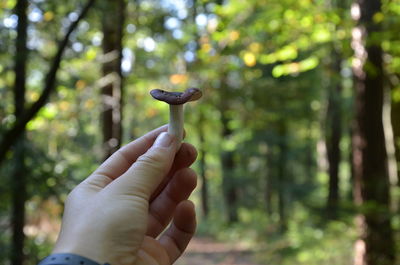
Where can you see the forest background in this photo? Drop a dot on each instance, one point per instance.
(298, 131)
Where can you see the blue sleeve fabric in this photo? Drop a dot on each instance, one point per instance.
(67, 259)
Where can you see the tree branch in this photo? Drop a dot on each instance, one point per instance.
(11, 136)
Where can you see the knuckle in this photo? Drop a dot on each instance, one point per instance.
(152, 160)
(74, 195)
(70, 198)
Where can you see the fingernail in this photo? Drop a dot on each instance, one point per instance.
(163, 140)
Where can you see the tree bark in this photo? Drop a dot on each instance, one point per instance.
(202, 161)
(21, 57)
(202, 150)
(371, 189)
(113, 24)
(350, 194)
(333, 136)
(269, 182)
(229, 186)
(19, 197)
(281, 175)
(18, 178)
(228, 180)
(395, 117)
(309, 156)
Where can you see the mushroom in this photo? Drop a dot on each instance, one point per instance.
(176, 101)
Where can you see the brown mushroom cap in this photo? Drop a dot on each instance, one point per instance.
(177, 98)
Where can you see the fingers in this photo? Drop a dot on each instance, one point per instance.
(121, 160)
(142, 178)
(184, 158)
(163, 206)
(181, 231)
(152, 252)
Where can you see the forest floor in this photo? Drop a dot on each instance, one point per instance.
(206, 251)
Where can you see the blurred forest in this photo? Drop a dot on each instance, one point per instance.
(298, 131)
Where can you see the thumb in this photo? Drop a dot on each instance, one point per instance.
(147, 172)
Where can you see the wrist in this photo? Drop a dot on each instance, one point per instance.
(97, 253)
(91, 253)
(68, 259)
(82, 244)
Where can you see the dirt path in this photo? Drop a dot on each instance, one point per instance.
(205, 251)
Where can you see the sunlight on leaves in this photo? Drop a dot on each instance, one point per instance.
(396, 94)
(91, 54)
(234, 35)
(249, 59)
(64, 105)
(48, 16)
(321, 35)
(255, 47)
(178, 79)
(151, 112)
(378, 17)
(90, 104)
(8, 4)
(33, 95)
(295, 67)
(287, 53)
(80, 84)
(206, 47)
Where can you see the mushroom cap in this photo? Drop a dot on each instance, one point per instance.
(177, 98)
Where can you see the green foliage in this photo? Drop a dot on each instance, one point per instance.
(265, 69)
(305, 244)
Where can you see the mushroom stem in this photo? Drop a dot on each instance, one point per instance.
(175, 126)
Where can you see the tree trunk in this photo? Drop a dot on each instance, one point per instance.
(395, 117)
(19, 197)
(350, 194)
(18, 180)
(202, 155)
(228, 177)
(229, 185)
(269, 182)
(202, 150)
(371, 190)
(309, 161)
(333, 136)
(113, 24)
(281, 177)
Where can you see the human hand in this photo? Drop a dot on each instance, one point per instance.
(117, 213)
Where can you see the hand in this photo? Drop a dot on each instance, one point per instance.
(117, 213)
